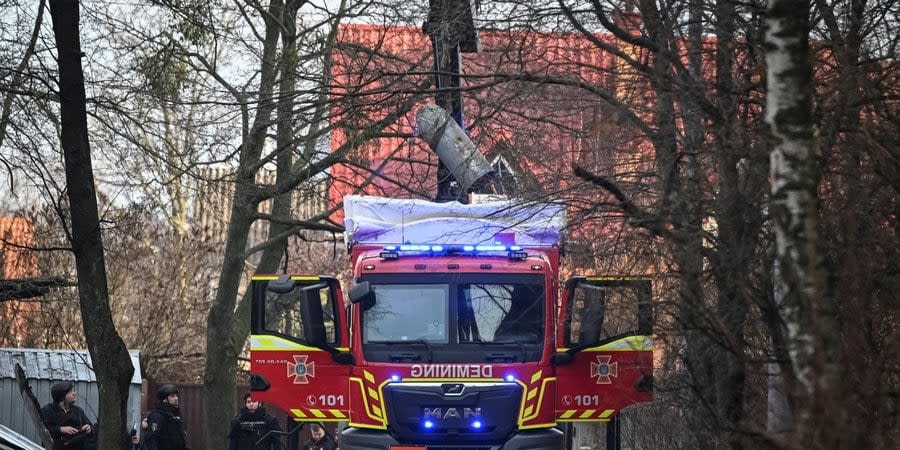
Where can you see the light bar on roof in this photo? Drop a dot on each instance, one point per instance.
(393, 251)
(416, 248)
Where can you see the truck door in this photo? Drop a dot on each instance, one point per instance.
(299, 360)
(604, 361)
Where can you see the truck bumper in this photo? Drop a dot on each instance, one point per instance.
(544, 439)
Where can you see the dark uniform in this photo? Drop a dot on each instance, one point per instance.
(326, 443)
(165, 429)
(247, 428)
(55, 417)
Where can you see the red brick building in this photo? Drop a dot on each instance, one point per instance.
(534, 129)
(18, 264)
(535, 105)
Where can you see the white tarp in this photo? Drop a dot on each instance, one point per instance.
(378, 220)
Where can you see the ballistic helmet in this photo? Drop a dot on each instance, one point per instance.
(165, 391)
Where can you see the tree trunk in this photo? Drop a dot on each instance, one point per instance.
(111, 362)
(809, 317)
(219, 381)
(738, 233)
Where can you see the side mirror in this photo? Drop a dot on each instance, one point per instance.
(361, 292)
(561, 358)
(259, 383)
(283, 285)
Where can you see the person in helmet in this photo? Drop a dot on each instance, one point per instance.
(252, 428)
(68, 425)
(319, 439)
(165, 429)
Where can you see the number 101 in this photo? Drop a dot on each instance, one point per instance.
(331, 400)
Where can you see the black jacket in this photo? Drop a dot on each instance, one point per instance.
(165, 430)
(55, 418)
(247, 428)
(326, 443)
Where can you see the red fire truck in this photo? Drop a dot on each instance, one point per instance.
(457, 332)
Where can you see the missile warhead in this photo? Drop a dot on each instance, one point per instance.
(452, 145)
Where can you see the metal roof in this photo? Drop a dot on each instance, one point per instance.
(62, 365)
(9, 438)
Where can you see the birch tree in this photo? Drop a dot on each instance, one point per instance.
(659, 105)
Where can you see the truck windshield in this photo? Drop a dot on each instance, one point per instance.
(408, 312)
(500, 313)
(458, 321)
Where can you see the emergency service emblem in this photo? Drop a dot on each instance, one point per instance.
(301, 370)
(603, 370)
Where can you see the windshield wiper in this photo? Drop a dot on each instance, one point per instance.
(411, 356)
(518, 343)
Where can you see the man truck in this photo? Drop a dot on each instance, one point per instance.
(457, 332)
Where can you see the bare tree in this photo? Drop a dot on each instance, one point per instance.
(693, 72)
(110, 358)
(658, 105)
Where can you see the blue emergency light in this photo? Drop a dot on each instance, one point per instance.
(390, 252)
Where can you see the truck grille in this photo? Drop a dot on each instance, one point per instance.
(450, 410)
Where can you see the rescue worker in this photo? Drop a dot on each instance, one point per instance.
(68, 425)
(251, 425)
(165, 429)
(320, 439)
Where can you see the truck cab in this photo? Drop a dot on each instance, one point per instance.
(464, 338)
